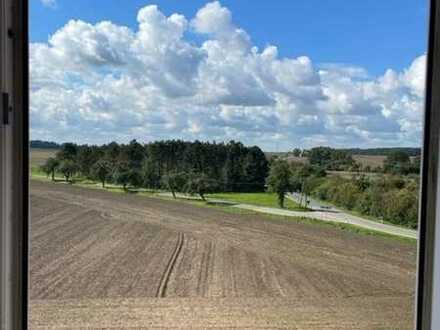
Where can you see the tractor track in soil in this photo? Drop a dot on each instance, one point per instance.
(162, 289)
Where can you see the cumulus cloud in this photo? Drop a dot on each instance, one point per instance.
(99, 82)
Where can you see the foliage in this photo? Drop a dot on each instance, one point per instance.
(255, 167)
(412, 152)
(151, 175)
(296, 152)
(398, 162)
(204, 167)
(331, 159)
(122, 174)
(50, 167)
(200, 184)
(86, 158)
(101, 171)
(391, 198)
(233, 166)
(279, 180)
(68, 168)
(68, 151)
(38, 144)
(174, 182)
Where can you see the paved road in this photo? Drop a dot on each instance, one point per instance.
(326, 212)
(313, 204)
(320, 212)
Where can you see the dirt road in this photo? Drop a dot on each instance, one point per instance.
(107, 260)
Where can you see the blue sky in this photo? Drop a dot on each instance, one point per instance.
(374, 34)
(278, 74)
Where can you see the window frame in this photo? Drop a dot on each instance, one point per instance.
(428, 271)
(14, 164)
(15, 249)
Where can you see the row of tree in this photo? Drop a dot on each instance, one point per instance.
(174, 164)
(397, 161)
(411, 152)
(204, 167)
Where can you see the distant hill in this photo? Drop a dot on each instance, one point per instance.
(412, 152)
(38, 144)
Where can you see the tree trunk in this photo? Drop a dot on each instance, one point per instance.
(281, 200)
(103, 183)
(174, 194)
(53, 175)
(202, 196)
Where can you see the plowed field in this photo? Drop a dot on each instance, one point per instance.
(108, 260)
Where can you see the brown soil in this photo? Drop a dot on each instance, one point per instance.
(369, 160)
(107, 260)
(40, 156)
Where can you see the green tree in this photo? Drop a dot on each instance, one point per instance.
(136, 178)
(256, 168)
(86, 158)
(122, 173)
(397, 162)
(174, 182)
(200, 184)
(296, 152)
(151, 176)
(101, 171)
(331, 159)
(416, 164)
(50, 167)
(233, 172)
(68, 168)
(279, 180)
(135, 154)
(112, 152)
(68, 151)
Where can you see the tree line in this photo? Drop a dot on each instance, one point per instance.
(205, 167)
(44, 144)
(387, 196)
(196, 167)
(411, 152)
(401, 161)
(393, 198)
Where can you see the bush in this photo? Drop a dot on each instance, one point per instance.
(371, 202)
(392, 198)
(402, 207)
(347, 195)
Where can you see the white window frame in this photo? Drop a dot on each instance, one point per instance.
(14, 174)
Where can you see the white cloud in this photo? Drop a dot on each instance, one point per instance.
(213, 19)
(49, 3)
(99, 82)
(414, 76)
